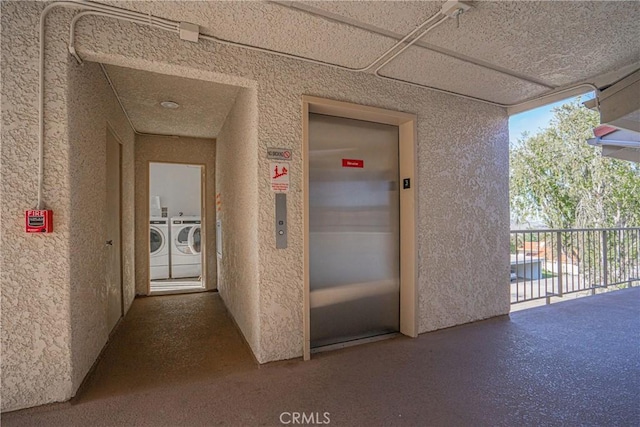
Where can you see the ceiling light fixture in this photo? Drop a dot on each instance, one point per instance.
(170, 105)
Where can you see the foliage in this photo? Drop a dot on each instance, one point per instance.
(557, 177)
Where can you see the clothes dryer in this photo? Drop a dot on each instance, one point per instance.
(159, 248)
(186, 242)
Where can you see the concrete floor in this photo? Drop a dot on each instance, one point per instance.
(576, 363)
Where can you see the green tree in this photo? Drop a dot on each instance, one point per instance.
(557, 177)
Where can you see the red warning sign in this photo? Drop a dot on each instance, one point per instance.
(352, 163)
(279, 173)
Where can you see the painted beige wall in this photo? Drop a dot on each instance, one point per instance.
(156, 148)
(236, 183)
(462, 190)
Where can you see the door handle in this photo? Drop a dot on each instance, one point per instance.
(109, 242)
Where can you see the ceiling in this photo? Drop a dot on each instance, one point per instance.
(203, 105)
(505, 52)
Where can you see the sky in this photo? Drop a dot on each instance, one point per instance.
(535, 120)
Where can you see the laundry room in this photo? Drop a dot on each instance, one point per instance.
(175, 227)
(175, 181)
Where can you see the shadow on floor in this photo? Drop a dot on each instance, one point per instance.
(166, 341)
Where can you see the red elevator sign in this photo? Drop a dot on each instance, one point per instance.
(352, 163)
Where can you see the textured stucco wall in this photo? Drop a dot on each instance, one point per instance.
(92, 109)
(462, 189)
(156, 148)
(36, 344)
(53, 286)
(237, 185)
(463, 220)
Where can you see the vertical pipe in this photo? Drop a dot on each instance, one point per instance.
(517, 266)
(590, 284)
(559, 263)
(524, 286)
(595, 260)
(637, 256)
(636, 251)
(539, 263)
(605, 266)
(572, 242)
(587, 276)
(630, 256)
(593, 263)
(529, 266)
(581, 261)
(552, 278)
(627, 264)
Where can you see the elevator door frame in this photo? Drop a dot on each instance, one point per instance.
(407, 149)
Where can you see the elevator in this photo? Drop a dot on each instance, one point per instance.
(354, 229)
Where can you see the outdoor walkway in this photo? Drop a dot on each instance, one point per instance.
(575, 363)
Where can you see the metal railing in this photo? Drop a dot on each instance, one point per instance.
(553, 263)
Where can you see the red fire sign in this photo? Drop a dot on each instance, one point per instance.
(352, 163)
(39, 221)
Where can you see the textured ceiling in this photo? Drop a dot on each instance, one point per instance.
(558, 42)
(203, 105)
(503, 51)
(275, 27)
(427, 67)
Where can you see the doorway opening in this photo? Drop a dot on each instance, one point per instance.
(176, 232)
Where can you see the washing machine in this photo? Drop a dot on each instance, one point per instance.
(159, 248)
(186, 238)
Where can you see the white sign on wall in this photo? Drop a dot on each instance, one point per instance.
(282, 154)
(279, 174)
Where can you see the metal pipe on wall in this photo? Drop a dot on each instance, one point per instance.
(98, 9)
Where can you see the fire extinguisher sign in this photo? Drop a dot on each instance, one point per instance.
(279, 174)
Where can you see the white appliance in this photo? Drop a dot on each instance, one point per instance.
(186, 238)
(159, 247)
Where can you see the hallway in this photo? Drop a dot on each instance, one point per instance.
(572, 363)
(165, 341)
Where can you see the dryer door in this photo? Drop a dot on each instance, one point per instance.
(157, 242)
(194, 240)
(182, 240)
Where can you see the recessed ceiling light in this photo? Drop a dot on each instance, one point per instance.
(170, 104)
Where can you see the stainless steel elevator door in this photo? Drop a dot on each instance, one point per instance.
(354, 229)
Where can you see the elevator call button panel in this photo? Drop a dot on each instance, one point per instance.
(281, 221)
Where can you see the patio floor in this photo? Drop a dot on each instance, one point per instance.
(575, 363)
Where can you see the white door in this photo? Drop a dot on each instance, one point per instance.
(113, 241)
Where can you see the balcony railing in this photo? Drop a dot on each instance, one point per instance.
(554, 263)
